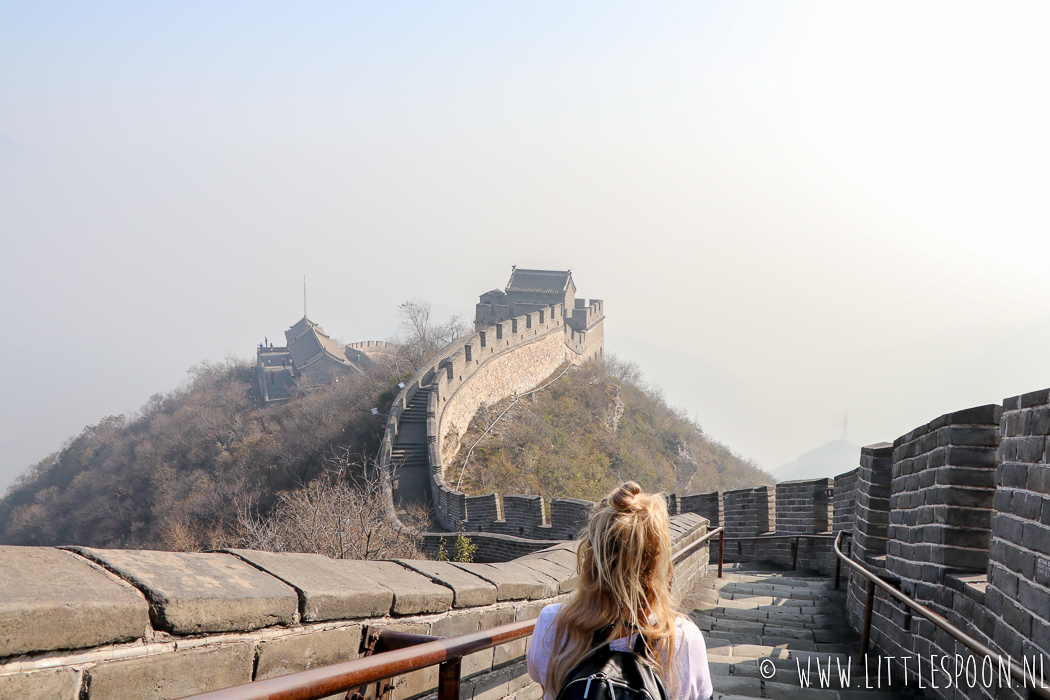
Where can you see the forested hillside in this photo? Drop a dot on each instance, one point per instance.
(593, 427)
(205, 467)
(177, 473)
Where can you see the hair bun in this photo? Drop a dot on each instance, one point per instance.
(623, 498)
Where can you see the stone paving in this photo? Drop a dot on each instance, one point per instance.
(767, 629)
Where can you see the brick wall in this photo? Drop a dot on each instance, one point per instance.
(941, 498)
(872, 518)
(844, 501)
(708, 505)
(804, 506)
(569, 516)
(750, 511)
(968, 535)
(1018, 593)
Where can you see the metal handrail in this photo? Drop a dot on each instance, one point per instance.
(328, 680)
(693, 546)
(972, 644)
(409, 653)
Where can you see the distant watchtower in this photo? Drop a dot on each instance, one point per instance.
(538, 291)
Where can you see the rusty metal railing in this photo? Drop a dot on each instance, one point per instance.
(337, 678)
(940, 622)
(690, 548)
(396, 653)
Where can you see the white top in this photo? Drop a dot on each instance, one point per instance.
(692, 673)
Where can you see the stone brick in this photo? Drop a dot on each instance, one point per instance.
(1035, 398)
(51, 599)
(190, 593)
(329, 589)
(413, 592)
(52, 684)
(465, 622)
(301, 652)
(172, 675)
(513, 581)
(555, 571)
(468, 589)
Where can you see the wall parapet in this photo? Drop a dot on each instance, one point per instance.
(954, 513)
(91, 624)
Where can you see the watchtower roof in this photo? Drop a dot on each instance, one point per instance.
(301, 326)
(540, 281)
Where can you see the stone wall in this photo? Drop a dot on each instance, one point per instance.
(1018, 593)
(750, 511)
(941, 499)
(845, 500)
(872, 516)
(964, 521)
(709, 505)
(804, 506)
(89, 624)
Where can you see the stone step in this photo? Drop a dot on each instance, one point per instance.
(776, 618)
(761, 688)
(785, 606)
(785, 579)
(755, 646)
(735, 590)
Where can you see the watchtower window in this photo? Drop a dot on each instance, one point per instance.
(467, 353)
(499, 331)
(541, 317)
(528, 320)
(514, 325)
(448, 370)
(482, 334)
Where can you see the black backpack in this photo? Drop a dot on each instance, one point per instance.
(605, 674)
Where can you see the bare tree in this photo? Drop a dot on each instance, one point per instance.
(627, 371)
(421, 337)
(340, 515)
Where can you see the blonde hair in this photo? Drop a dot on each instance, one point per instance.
(625, 572)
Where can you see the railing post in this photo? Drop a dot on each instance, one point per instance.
(838, 571)
(448, 679)
(868, 606)
(721, 547)
(794, 555)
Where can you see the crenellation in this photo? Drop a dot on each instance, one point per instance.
(804, 506)
(750, 511)
(709, 505)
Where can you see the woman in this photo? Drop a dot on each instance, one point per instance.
(624, 567)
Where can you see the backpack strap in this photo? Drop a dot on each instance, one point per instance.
(642, 647)
(641, 644)
(601, 636)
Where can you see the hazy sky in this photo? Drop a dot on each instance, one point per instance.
(793, 210)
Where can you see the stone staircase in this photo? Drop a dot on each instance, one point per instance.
(767, 627)
(408, 454)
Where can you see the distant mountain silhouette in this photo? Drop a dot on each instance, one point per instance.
(831, 459)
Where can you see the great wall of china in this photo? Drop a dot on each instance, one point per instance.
(955, 513)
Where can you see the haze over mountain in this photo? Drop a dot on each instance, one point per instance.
(828, 460)
(864, 233)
